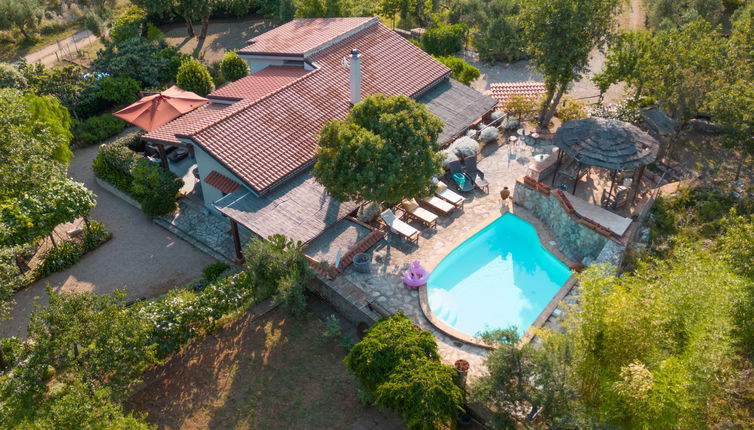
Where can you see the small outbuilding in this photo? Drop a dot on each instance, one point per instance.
(607, 143)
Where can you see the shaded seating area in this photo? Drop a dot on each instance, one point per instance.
(622, 148)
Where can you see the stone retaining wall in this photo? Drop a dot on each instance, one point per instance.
(576, 240)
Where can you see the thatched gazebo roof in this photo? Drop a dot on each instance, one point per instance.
(607, 143)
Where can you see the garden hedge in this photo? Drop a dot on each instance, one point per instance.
(155, 188)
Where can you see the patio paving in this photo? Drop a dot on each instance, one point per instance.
(502, 165)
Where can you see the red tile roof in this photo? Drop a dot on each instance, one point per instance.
(267, 140)
(303, 36)
(501, 91)
(260, 84)
(191, 122)
(221, 182)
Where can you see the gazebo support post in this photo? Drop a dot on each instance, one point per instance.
(612, 184)
(557, 167)
(637, 182)
(163, 156)
(236, 241)
(576, 180)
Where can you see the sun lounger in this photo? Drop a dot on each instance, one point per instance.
(399, 227)
(439, 204)
(474, 174)
(418, 213)
(456, 173)
(442, 191)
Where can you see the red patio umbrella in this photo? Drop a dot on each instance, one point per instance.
(153, 111)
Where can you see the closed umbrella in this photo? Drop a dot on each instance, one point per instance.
(153, 111)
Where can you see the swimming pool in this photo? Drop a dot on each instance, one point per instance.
(500, 277)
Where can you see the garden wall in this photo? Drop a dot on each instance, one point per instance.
(576, 240)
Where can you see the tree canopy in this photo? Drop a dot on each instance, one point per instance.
(385, 151)
(560, 35)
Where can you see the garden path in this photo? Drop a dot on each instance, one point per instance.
(142, 257)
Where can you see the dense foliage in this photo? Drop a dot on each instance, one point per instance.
(279, 270)
(443, 39)
(35, 193)
(666, 346)
(97, 128)
(496, 29)
(233, 67)
(86, 351)
(193, 76)
(385, 151)
(460, 70)
(152, 186)
(398, 363)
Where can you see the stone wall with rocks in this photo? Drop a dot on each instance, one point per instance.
(576, 241)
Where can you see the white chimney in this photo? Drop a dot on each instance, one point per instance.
(355, 76)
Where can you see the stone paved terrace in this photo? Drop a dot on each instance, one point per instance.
(502, 164)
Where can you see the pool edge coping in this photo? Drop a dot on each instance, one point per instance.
(541, 318)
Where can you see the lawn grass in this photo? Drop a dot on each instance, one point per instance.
(272, 372)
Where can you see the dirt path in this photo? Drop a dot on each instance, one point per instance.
(223, 35)
(142, 257)
(52, 54)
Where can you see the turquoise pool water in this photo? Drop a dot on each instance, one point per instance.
(498, 278)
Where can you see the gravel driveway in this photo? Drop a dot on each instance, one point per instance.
(142, 258)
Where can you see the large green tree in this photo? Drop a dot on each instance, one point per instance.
(560, 35)
(398, 363)
(665, 14)
(385, 151)
(25, 15)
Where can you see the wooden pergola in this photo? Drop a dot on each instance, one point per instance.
(607, 143)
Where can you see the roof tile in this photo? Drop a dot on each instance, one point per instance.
(221, 182)
(502, 91)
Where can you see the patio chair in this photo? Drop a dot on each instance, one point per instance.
(413, 210)
(442, 191)
(474, 174)
(456, 173)
(399, 227)
(439, 205)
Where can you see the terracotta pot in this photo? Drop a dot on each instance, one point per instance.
(505, 193)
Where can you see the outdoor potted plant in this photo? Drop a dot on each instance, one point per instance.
(361, 263)
(462, 367)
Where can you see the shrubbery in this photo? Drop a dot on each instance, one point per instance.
(152, 186)
(10, 77)
(59, 257)
(96, 129)
(233, 67)
(444, 39)
(128, 25)
(461, 71)
(398, 363)
(213, 272)
(96, 346)
(193, 76)
(118, 90)
(155, 188)
(68, 253)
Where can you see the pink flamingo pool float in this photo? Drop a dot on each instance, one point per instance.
(416, 276)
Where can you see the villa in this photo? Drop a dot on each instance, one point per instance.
(255, 142)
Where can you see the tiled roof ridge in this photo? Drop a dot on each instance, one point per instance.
(340, 38)
(368, 21)
(248, 105)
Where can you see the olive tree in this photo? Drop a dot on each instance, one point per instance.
(384, 151)
(560, 35)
